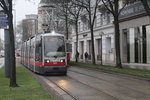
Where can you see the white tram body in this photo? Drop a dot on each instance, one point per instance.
(45, 53)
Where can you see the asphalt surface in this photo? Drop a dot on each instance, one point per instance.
(86, 84)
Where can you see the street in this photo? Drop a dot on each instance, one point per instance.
(85, 84)
(1, 62)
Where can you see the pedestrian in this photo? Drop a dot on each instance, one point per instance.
(86, 56)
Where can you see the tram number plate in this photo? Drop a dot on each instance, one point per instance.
(54, 62)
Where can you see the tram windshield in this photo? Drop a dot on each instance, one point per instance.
(54, 46)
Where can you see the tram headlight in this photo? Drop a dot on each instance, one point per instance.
(62, 60)
(47, 61)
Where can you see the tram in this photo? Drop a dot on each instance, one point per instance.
(45, 53)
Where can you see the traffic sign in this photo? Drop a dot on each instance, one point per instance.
(3, 19)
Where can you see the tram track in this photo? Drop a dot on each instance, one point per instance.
(117, 84)
(76, 98)
(70, 94)
(72, 78)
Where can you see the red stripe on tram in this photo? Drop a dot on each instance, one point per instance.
(39, 64)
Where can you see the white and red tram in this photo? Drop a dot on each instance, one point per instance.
(45, 53)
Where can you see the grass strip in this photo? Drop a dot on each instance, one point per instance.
(136, 72)
(29, 88)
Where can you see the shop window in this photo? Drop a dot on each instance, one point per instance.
(89, 49)
(148, 43)
(99, 49)
(81, 49)
(137, 44)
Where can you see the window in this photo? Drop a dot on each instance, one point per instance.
(108, 17)
(148, 43)
(108, 45)
(79, 26)
(101, 19)
(90, 49)
(81, 49)
(99, 49)
(54, 46)
(38, 49)
(138, 44)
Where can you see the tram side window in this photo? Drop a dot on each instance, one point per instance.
(38, 51)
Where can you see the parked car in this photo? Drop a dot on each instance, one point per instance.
(2, 53)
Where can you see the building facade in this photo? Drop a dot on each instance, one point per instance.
(29, 26)
(135, 36)
(103, 38)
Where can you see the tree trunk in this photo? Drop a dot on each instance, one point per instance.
(12, 52)
(76, 27)
(117, 42)
(92, 38)
(92, 41)
(146, 6)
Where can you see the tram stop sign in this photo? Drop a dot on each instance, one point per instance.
(3, 19)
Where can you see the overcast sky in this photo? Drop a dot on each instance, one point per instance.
(22, 8)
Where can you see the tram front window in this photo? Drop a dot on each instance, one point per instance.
(54, 46)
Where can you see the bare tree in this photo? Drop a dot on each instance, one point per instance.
(62, 7)
(75, 10)
(7, 7)
(28, 29)
(113, 7)
(90, 7)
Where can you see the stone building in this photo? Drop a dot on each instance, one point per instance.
(103, 38)
(29, 26)
(48, 18)
(135, 36)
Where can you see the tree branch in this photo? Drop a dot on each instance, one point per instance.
(4, 6)
(122, 8)
(95, 9)
(106, 6)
